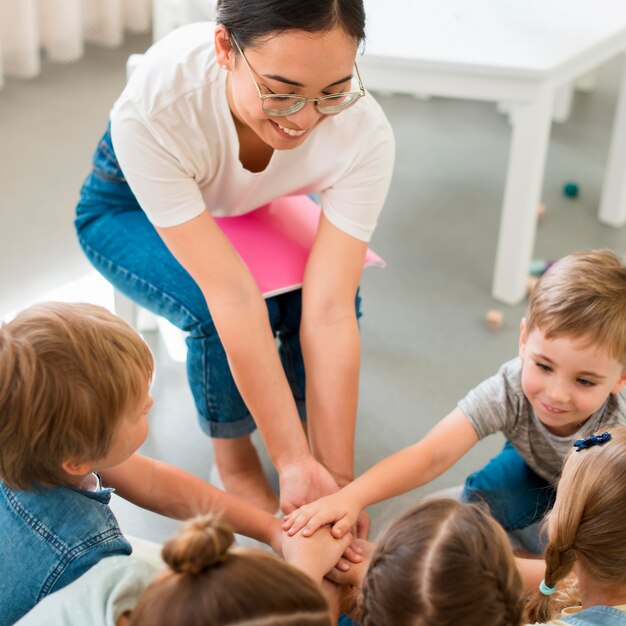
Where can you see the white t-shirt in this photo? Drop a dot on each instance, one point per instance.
(176, 142)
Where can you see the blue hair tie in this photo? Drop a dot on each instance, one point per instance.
(545, 590)
(594, 440)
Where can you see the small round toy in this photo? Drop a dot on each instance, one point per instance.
(571, 189)
(538, 267)
(494, 319)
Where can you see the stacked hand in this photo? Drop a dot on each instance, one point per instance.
(304, 481)
(320, 554)
(339, 509)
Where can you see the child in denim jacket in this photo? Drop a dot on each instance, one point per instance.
(74, 399)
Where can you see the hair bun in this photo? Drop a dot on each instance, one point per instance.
(201, 543)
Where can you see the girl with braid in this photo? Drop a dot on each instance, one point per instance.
(587, 536)
(442, 563)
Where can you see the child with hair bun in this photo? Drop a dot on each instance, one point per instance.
(74, 400)
(442, 563)
(587, 536)
(206, 583)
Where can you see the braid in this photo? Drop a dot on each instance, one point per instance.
(559, 563)
(442, 563)
(504, 584)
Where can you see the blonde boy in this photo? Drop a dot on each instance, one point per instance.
(74, 399)
(564, 385)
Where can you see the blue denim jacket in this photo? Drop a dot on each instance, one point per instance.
(597, 616)
(49, 538)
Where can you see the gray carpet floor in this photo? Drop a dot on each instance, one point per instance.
(424, 341)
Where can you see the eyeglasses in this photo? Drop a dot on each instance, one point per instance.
(287, 104)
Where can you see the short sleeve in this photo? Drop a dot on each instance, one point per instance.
(164, 186)
(492, 405)
(354, 203)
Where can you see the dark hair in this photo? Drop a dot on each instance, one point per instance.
(251, 20)
(208, 584)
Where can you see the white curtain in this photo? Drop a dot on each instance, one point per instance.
(59, 28)
(170, 14)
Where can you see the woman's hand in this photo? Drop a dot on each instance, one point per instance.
(340, 509)
(302, 482)
(316, 555)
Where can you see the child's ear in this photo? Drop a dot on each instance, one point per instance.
(74, 467)
(522, 337)
(620, 383)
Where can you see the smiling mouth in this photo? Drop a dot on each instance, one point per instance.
(553, 410)
(290, 131)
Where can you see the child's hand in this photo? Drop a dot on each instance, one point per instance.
(363, 526)
(340, 509)
(355, 574)
(318, 554)
(275, 535)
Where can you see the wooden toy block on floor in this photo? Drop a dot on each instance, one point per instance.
(494, 319)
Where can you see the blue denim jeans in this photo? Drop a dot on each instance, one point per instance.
(516, 496)
(124, 247)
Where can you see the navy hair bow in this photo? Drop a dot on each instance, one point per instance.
(594, 440)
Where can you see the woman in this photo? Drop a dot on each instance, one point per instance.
(219, 120)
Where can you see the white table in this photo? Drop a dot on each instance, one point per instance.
(517, 51)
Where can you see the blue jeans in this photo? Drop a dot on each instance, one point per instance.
(124, 247)
(516, 496)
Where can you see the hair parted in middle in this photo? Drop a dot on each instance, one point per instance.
(255, 20)
(586, 525)
(443, 563)
(583, 296)
(209, 584)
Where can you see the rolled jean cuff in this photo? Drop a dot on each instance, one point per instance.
(241, 427)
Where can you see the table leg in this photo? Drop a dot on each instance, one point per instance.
(527, 157)
(613, 201)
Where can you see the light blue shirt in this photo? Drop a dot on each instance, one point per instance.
(97, 598)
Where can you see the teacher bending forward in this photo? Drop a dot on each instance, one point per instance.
(217, 120)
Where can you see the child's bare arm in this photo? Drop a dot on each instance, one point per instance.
(532, 572)
(170, 491)
(407, 469)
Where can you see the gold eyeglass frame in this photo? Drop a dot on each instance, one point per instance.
(301, 101)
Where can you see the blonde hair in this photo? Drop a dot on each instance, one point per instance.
(441, 564)
(583, 296)
(207, 584)
(587, 522)
(68, 373)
